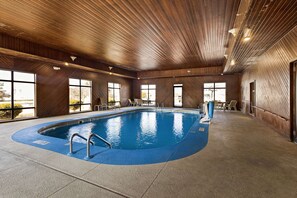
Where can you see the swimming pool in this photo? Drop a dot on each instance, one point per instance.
(133, 130)
(140, 136)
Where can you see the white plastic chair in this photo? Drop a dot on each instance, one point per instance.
(131, 103)
(231, 105)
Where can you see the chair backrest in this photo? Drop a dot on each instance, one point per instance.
(102, 101)
(136, 100)
(139, 101)
(130, 101)
(233, 103)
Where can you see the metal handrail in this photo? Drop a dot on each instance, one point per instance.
(71, 141)
(89, 141)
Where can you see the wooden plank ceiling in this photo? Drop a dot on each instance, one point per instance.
(137, 35)
(269, 21)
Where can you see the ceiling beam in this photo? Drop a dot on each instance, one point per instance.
(17, 47)
(238, 28)
(205, 71)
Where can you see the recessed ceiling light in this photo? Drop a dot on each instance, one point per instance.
(56, 68)
(222, 74)
(247, 34)
(245, 39)
(189, 71)
(138, 78)
(232, 62)
(66, 63)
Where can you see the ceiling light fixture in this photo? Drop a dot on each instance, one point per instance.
(138, 78)
(110, 68)
(247, 34)
(232, 62)
(222, 74)
(56, 68)
(189, 71)
(233, 31)
(73, 58)
(66, 63)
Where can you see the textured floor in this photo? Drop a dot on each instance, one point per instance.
(244, 158)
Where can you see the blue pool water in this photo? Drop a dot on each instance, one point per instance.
(134, 130)
(138, 136)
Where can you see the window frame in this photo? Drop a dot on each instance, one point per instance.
(12, 81)
(113, 88)
(148, 101)
(80, 100)
(214, 88)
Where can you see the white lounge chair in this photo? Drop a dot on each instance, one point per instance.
(138, 102)
(131, 103)
(101, 105)
(231, 105)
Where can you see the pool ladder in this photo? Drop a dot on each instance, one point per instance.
(88, 142)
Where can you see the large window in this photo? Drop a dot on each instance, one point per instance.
(148, 94)
(80, 95)
(17, 95)
(114, 96)
(215, 92)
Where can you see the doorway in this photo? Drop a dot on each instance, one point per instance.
(252, 97)
(178, 95)
(293, 101)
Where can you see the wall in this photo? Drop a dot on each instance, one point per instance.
(192, 88)
(272, 77)
(52, 86)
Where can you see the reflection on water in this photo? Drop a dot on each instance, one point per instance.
(137, 130)
(113, 127)
(82, 129)
(148, 124)
(178, 124)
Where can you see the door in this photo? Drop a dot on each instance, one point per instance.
(178, 95)
(252, 97)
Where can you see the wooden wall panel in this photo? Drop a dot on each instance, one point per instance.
(53, 89)
(272, 81)
(192, 88)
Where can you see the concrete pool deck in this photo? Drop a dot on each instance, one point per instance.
(243, 158)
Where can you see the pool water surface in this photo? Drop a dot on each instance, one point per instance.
(135, 130)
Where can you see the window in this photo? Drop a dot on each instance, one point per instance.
(17, 95)
(215, 91)
(114, 95)
(178, 95)
(80, 95)
(148, 94)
